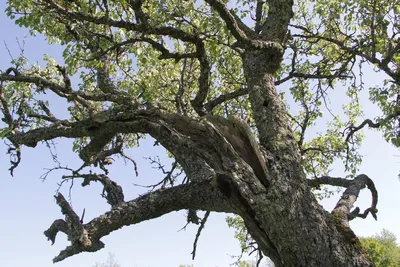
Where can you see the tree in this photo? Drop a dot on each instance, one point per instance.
(382, 249)
(202, 79)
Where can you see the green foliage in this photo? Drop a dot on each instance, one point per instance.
(139, 70)
(246, 264)
(241, 233)
(382, 249)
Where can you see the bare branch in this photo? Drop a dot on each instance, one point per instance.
(350, 195)
(370, 123)
(354, 50)
(203, 222)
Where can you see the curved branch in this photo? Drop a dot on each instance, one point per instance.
(350, 195)
(182, 136)
(200, 196)
(370, 123)
(115, 194)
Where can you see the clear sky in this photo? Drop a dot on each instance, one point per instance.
(28, 207)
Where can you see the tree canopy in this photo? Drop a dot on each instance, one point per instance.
(382, 249)
(233, 90)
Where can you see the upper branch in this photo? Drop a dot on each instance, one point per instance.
(355, 50)
(276, 24)
(232, 22)
(204, 80)
(259, 15)
(370, 123)
(141, 28)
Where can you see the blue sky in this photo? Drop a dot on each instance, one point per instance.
(28, 207)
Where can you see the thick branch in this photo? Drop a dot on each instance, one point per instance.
(77, 234)
(91, 152)
(200, 196)
(279, 15)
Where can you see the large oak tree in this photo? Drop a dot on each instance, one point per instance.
(202, 79)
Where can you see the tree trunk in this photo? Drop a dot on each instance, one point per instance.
(284, 218)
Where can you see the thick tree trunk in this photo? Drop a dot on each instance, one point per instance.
(285, 218)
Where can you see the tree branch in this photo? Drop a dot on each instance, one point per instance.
(370, 123)
(142, 28)
(382, 64)
(231, 21)
(209, 106)
(115, 194)
(350, 195)
(87, 237)
(204, 79)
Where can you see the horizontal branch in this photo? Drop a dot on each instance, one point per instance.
(35, 80)
(311, 76)
(198, 196)
(370, 123)
(226, 97)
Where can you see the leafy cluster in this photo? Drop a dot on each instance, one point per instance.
(382, 249)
